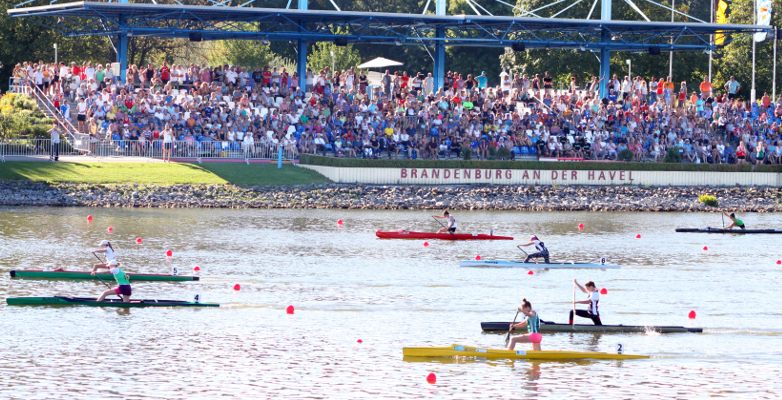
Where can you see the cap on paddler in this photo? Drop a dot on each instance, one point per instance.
(113, 262)
(104, 243)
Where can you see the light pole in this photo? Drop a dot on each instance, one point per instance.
(332, 70)
(55, 54)
(630, 69)
(670, 55)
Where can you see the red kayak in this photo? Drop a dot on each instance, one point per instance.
(442, 236)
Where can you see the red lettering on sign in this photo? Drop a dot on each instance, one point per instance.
(435, 173)
(554, 175)
(612, 174)
(487, 174)
(573, 176)
(424, 174)
(535, 174)
(498, 174)
(508, 174)
(467, 173)
(447, 174)
(564, 175)
(526, 175)
(591, 175)
(404, 173)
(621, 175)
(477, 174)
(631, 175)
(602, 176)
(414, 173)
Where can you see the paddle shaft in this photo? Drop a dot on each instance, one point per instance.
(573, 322)
(507, 337)
(101, 280)
(441, 224)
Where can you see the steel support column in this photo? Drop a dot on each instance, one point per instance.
(605, 54)
(301, 58)
(439, 49)
(122, 51)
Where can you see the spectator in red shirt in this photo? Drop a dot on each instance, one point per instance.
(165, 73)
(267, 77)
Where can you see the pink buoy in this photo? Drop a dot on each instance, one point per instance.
(638, 236)
(705, 248)
(530, 272)
(691, 315)
(779, 262)
(197, 268)
(478, 257)
(431, 378)
(110, 229)
(289, 310)
(426, 244)
(89, 218)
(603, 291)
(138, 240)
(339, 222)
(581, 227)
(237, 287)
(359, 341)
(169, 253)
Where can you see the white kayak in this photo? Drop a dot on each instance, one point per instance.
(521, 264)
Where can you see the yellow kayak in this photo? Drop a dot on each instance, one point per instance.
(466, 351)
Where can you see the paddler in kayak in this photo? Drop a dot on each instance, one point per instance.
(542, 250)
(451, 227)
(123, 284)
(532, 322)
(105, 247)
(593, 300)
(735, 221)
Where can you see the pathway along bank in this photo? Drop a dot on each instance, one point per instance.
(508, 197)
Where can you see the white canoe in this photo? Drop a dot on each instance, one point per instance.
(521, 264)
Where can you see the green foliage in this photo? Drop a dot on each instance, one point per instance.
(503, 153)
(345, 57)
(245, 53)
(21, 118)
(708, 200)
(466, 153)
(492, 153)
(541, 165)
(673, 155)
(625, 155)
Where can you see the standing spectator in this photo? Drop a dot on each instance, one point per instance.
(482, 80)
(386, 81)
(706, 88)
(168, 141)
(54, 155)
(732, 87)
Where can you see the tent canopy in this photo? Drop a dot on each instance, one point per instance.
(380, 62)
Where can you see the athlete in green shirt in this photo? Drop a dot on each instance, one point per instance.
(123, 288)
(735, 221)
(532, 322)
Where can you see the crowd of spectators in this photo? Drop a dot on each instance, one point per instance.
(342, 115)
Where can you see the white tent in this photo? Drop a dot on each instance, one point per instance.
(379, 62)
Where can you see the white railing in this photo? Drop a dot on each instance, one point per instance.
(151, 149)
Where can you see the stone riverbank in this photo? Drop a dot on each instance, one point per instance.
(535, 198)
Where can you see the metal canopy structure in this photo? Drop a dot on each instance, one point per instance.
(222, 21)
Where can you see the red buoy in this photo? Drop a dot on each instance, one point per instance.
(478, 257)
(705, 248)
(426, 244)
(603, 291)
(431, 378)
(638, 236)
(169, 253)
(359, 341)
(237, 287)
(110, 229)
(197, 268)
(339, 222)
(138, 240)
(89, 218)
(691, 314)
(581, 227)
(530, 273)
(289, 310)
(779, 262)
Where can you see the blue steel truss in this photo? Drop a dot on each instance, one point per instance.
(224, 21)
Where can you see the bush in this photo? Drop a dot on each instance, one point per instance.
(673, 155)
(492, 153)
(503, 153)
(21, 118)
(466, 153)
(708, 200)
(625, 155)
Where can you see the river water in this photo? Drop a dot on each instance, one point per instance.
(347, 285)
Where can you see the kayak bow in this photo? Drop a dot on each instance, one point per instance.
(90, 301)
(465, 351)
(502, 327)
(441, 236)
(38, 273)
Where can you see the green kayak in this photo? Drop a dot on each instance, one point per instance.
(41, 274)
(90, 301)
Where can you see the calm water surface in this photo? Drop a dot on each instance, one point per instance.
(347, 285)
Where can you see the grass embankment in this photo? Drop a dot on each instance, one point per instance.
(159, 174)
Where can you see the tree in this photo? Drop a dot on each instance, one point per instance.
(246, 53)
(345, 57)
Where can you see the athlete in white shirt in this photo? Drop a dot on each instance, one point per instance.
(593, 300)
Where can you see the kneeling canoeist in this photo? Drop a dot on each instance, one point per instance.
(735, 221)
(451, 227)
(542, 250)
(105, 247)
(123, 284)
(593, 300)
(532, 322)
